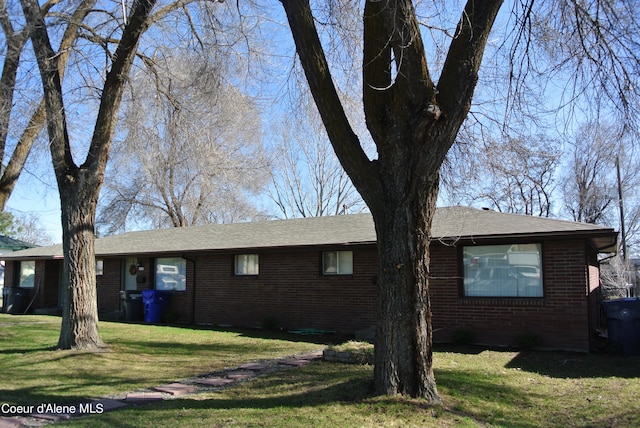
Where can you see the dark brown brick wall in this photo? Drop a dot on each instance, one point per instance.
(108, 285)
(560, 319)
(292, 291)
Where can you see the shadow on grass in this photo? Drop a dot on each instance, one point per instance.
(576, 365)
(558, 364)
(485, 398)
(27, 350)
(255, 333)
(461, 349)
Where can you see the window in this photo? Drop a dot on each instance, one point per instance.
(337, 262)
(27, 274)
(171, 274)
(503, 270)
(99, 267)
(247, 264)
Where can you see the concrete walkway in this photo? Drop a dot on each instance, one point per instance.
(50, 412)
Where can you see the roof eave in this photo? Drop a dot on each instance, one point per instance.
(602, 240)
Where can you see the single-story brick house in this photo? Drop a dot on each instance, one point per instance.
(498, 276)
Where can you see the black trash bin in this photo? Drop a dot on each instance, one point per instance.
(5, 298)
(154, 303)
(133, 306)
(623, 325)
(15, 299)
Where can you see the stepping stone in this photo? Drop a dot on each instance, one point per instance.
(51, 417)
(176, 389)
(256, 367)
(12, 422)
(294, 362)
(108, 404)
(240, 374)
(144, 396)
(214, 381)
(315, 355)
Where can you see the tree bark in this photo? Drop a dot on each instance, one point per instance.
(79, 328)
(403, 352)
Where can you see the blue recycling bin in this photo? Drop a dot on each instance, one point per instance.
(154, 302)
(623, 325)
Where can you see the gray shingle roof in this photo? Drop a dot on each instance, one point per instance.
(6, 242)
(449, 224)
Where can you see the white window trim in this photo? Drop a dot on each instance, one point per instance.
(339, 268)
(21, 279)
(489, 273)
(242, 261)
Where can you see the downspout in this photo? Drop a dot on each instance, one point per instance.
(193, 295)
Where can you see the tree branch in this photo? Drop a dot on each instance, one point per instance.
(344, 141)
(460, 71)
(138, 23)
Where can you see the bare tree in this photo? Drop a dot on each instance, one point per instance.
(308, 180)
(30, 230)
(206, 140)
(79, 185)
(101, 57)
(514, 175)
(403, 106)
(15, 40)
(615, 279)
(590, 194)
(414, 121)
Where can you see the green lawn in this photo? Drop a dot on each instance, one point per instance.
(480, 387)
(136, 355)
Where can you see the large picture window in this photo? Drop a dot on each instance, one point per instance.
(247, 264)
(503, 270)
(171, 274)
(27, 274)
(337, 262)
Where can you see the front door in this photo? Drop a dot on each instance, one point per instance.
(129, 276)
(130, 273)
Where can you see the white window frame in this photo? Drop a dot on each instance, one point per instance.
(27, 274)
(337, 262)
(171, 274)
(246, 265)
(509, 270)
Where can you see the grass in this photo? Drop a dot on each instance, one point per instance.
(480, 387)
(136, 356)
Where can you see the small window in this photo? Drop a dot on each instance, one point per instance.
(337, 262)
(247, 264)
(503, 270)
(27, 274)
(171, 274)
(99, 267)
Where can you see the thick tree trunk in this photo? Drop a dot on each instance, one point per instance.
(80, 318)
(403, 352)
